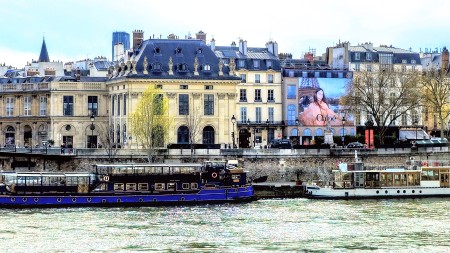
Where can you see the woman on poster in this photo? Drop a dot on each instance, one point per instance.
(318, 113)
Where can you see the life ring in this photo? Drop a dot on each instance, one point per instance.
(106, 178)
(214, 175)
(424, 163)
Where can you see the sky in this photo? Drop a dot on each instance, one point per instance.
(80, 29)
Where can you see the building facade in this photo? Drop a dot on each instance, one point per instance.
(258, 103)
(367, 57)
(189, 74)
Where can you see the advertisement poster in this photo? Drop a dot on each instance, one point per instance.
(319, 102)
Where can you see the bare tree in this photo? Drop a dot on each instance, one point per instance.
(436, 95)
(385, 96)
(193, 120)
(107, 141)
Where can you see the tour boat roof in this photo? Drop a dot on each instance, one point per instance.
(150, 165)
(49, 174)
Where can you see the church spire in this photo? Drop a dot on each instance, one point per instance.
(43, 57)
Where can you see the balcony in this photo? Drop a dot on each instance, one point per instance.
(260, 123)
(24, 87)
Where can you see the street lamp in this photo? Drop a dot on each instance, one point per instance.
(267, 137)
(296, 123)
(92, 128)
(415, 126)
(233, 120)
(343, 130)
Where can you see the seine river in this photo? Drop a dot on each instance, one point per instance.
(282, 225)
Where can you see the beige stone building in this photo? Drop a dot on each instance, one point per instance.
(191, 76)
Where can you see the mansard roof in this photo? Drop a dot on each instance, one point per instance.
(40, 79)
(183, 54)
(399, 55)
(43, 56)
(253, 53)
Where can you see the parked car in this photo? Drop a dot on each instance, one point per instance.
(355, 145)
(281, 143)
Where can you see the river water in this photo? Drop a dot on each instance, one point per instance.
(280, 225)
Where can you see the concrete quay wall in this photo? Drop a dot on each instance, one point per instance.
(284, 166)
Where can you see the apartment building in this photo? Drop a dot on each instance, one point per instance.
(258, 112)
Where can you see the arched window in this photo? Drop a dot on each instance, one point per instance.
(319, 132)
(307, 132)
(291, 114)
(208, 135)
(10, 136)
(294, 132)
(183, 135)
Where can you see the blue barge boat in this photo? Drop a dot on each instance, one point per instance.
(127, 185)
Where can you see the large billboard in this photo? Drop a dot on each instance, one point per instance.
(319, 102)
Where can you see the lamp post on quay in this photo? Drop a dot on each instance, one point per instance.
(343, 130)
(296, 123)
(233, 121)
(92, 129)
(415, 126)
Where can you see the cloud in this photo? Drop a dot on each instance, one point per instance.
(15, 58)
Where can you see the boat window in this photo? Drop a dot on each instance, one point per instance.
(143, 187)
(159, 186)
(185, 186)
(194, 186)
(430, 174)
(171, 186)
(444, 170)
(118, 187)
(131, 186)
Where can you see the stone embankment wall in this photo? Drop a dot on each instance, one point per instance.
(277, 169)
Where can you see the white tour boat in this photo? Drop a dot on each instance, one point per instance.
(359, 182)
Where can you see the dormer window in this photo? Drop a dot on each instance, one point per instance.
(178, 50)
(157, 50)
(182, 68)
(256, 64)
(206, 67)
(241, 63)
(269, 64)
(156, 67)
(368, 56)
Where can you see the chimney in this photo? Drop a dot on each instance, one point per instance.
(243, 47)
(272, 47)
(445, 60)
(201, 36)
(213, 44)
(138, 37)
(78, 75)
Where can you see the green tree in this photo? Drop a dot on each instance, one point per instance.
(385, 95)
(151, 121)
(436, 95)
